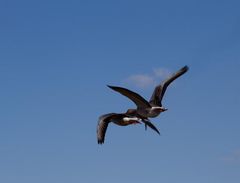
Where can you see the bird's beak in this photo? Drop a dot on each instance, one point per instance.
(163, 109)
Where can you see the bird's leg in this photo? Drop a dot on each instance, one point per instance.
(145, 120)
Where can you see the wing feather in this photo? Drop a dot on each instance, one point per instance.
(103, 122)
(160, 90)
(136, 98)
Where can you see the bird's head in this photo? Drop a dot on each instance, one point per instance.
(160, 109)
(163, 109)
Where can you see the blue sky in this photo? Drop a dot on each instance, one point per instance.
(56, 58)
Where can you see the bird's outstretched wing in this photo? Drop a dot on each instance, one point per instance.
(149, 124)
(159, 90)
(103, 122)
(136, 98)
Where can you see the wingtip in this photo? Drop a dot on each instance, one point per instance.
(158, 132)
(185, 68)
(110, 86)
(115, 88)
(100, 142)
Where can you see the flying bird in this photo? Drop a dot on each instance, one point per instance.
(121, 119)
(153, 107)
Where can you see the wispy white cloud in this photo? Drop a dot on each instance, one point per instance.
(233, 157)
(161, 73)
(148, 80)
(141, 80)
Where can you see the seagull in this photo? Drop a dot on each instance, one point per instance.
(121, 119)
(154, 107)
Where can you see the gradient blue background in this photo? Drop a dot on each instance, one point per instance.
(56, 58)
